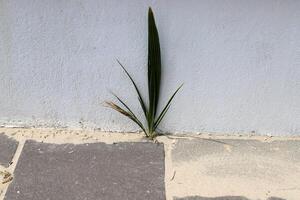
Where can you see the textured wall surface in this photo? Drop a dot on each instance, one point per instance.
(239, 60)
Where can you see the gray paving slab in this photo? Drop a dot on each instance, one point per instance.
(8, 148)
(254, 169)
(222, 198)
(122, 171)
(187, 150)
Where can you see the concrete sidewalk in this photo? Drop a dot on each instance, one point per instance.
(40, 164)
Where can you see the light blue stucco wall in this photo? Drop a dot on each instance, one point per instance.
(239, 60)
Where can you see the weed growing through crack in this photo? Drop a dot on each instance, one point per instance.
(154, 79)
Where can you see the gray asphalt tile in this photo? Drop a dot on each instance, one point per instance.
(8, 148)
(124, 171)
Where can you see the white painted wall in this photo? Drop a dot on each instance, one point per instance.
(239, 60)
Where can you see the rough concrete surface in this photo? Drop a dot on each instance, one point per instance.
(89, 171)
(249, 168)
(8, 148)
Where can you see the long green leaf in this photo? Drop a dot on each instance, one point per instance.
(154, 67)
(129, 110)
(137, 90)
(166, 108)
(161, 117)
(128, 114)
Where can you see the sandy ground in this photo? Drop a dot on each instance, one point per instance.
(183, 177)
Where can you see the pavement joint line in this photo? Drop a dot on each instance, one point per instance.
(169, 172)
(12, 167)
(262, 138)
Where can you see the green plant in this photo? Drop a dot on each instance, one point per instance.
(154, 77)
